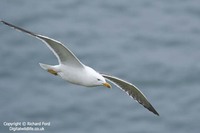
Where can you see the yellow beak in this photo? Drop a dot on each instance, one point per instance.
(107, 85)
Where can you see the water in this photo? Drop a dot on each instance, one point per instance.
(153, 44)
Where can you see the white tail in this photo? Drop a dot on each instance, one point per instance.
(45, 66)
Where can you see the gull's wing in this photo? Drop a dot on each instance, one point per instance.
(63, 54)
(132, 91)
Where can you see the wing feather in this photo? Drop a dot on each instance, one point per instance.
(63, 54)
(132, 91)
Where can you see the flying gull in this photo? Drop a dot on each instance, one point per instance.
(71, 69)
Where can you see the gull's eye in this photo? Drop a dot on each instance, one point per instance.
(98, 79)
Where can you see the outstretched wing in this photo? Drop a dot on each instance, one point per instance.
(132, 91)
(63, 54)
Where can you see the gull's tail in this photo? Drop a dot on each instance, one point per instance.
(45, 66)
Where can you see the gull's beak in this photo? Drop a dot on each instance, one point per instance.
(107, 85)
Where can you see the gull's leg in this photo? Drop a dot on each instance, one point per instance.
(48, 68)
(52, 71)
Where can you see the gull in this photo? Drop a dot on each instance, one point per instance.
(71, 69)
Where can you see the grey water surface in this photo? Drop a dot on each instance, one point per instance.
(154, 44)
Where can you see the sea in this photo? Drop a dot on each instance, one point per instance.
(154, 44)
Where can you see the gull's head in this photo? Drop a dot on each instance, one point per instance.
(96, 79)
(101, 81)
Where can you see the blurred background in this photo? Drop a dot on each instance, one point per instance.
(153, 44)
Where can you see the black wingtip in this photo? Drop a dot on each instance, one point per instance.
(18, 28)
(151, 108)
(4, 22)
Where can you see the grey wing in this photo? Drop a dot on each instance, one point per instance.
(132, 91)
(63, 54)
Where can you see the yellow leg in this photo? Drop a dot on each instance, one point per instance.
(52, 71)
